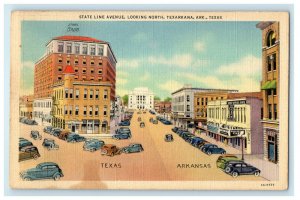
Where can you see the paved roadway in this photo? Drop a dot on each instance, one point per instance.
(159, 160)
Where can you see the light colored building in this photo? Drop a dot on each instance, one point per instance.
(81, 106)
(42, 111)
(183, 104)
(26, 106)
(141, 98)
(236, 121)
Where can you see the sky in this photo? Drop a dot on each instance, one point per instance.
(162, 56)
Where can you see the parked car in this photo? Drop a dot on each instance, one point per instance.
(187, 135)
(195, 141)
(175, 129)
(124, 123)
(123, 130)
(225, 156)
(236, 169)
(35, 135)
(28, 152)
(133, 148)
(48, 129)
(31, 122)
(55, 132)
(24, 143)
(223, 160)
(169, 138)
(121, 136)
(166, 122)
(154, 121)
(50, 144)
(207, 144)
(73, 137)
(63, 135)
(45, 170)
(142, 124)
(110, 150)
(93, 145)
(202, 144)
(213, 149)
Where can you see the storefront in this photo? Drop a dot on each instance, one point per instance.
(272, 145)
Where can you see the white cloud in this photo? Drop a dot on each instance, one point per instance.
(121, 81)
(170, 86)
(207, 81)
(121, 92)
(129, 63)
(199, 46)
(28, 64)
(247, 66)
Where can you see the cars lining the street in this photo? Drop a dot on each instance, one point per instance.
(133, 148)
(73, 137)
(93, 145)
(50, 144)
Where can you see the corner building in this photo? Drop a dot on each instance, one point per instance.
(270, 88)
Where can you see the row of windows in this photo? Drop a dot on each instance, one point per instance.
(87, 110)
(76, 62)
(42, 104)
(271, 62)
(80, 49)
(223, 114)
(92, 70)
(91, 78)
(274, 109)
(91, 94)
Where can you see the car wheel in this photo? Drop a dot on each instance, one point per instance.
(73, 141)
(227, 169)
(35, 156)
(27, 179)
(56, 177)
(224, 152)
(235, 174)
(208, 153)
(257, 173)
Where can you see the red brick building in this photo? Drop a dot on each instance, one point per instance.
(93, 60)
(163, 107)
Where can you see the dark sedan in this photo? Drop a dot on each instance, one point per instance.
(236, 169)
(121, 136)
(133, 148)
(124, 123)
(196, 141)
(73, 137)
(24, 143)
(175, 129)
(213, 149)
(48, 129)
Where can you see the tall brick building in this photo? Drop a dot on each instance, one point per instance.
(270, 88)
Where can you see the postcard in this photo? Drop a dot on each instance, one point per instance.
(149, 100)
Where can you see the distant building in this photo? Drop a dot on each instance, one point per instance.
(236, 121)
(270, 88)
(163, 107)
(141, 98)
(42, 111)
(81, 106)
(26, 106)
(183, 104)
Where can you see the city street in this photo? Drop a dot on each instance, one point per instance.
(160, 160)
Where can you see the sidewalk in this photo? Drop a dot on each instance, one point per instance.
(269, 170)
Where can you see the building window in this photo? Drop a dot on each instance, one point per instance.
(96, 111)
(77, 49)
(105, 94)
(84, 110)
(76, 77)
(91, 94)
(92, 71)
(97, 94)
(100, 63)
(84, 50)
(84, 62)
(77, 93)
(100, 71)
(275, 111)
(188, 98)
(66, 110)
(275, 91)
(187, 107)
(69, 48)
(91, 110)
(100, 51)
(93, 50)
(76, 69)
(244, 115)
(76, 62)
(70, 110)
(85, 94)
(104, 111)
(84, 70)
(76, 110)
(270, 111)
(269, 92)
(66, 93)
(68, 62)
(71, 93)
(274, 61)
(261, 113)
(60, 47)
(60, 60)
(271, 38)
(59, 68)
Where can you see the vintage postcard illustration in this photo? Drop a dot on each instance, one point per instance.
(149, 100)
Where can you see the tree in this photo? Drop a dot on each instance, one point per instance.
(125, 99)
(168, 99)
(156, 98)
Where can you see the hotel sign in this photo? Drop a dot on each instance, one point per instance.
(232, 133)
(231, 108)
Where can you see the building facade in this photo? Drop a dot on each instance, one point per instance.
(163, 107)
(141, 98)
(183, 104)
(42, 111)
(26, 106)
(82, 107)
(236, 121)
(270, 88)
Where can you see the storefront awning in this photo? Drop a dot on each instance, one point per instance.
(269, 85)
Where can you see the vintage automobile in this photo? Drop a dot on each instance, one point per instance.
(35, 135)
(123, 130)
(169, 138)
(155, 121)
(55, 132)
(142, 124)
(133, 148)
(31, 122)
(226, 156)
(50, 144)
(93, 145)
(73, 137)
(45, 170)
(121, 136)
(110, 150)
(48, 129)
(175, 129)
(63, 135)
(213, 149)
(166, 122)
(224, 161)
(124, 123)
(24, 143)
(28, 152)
(195, 141)
(241, 168)
(151, 119)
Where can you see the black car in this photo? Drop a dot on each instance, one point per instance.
(48, 129)
(50, 144)
(73, 137)
(236, 169)
(124, 123)
(35, 135)
(24, 143)
(175, 129)
(169, 138)
(56, 132)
